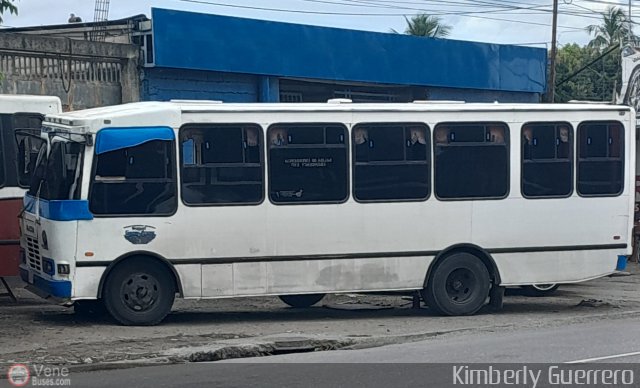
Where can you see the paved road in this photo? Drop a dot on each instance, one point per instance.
(610, 341)
(544, 345)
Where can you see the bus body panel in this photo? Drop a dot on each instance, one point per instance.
(521, 223)
(86, 282)
(556, 267)
(9, 236)
(21, 103)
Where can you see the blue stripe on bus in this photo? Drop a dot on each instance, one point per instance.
(56, 288)
(112, 139)
(59, 210)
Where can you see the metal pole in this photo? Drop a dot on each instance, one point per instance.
(552, 62)
(629, 22)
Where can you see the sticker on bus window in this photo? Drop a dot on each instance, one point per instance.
(139, 234)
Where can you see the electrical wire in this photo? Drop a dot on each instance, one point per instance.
(364, 14)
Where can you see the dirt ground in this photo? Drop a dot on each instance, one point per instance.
(34, 331)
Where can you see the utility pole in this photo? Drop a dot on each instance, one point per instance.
(551, 87)
(629, 23)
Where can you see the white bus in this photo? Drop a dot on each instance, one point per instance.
(137, 203)
(20, 121)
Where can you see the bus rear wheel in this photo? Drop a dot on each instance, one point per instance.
(458, 285)
(139, 292)
(301, 301)
(540, 289)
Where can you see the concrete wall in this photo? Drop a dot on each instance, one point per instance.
(83, 74)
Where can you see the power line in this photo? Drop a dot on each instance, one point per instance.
(539, 8)
(608, 3)
(364, 14)
(501, 8)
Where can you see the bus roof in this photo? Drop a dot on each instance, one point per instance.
(21, 103)
(170, 111)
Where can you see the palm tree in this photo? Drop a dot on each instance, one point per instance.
(426, 25)
(613, 31)
(7, 5)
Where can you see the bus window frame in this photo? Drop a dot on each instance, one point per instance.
(15, 142)
(572, 159)
(508, 141)
(94, 163)
(623, 157)
(404, 125)
(347, 145)
(263, 162)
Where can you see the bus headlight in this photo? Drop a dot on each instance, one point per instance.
(63, 269)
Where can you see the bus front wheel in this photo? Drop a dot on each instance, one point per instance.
(458, 285)
(301, 301)
(139, 292)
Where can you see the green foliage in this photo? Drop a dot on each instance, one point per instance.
(596, 83)
(7, 6)
(599, 80)
(426, 25)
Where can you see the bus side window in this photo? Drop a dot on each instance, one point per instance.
(137, 180)
(547, 163)
(391, 162)
(221, 164)
(600, 158)
(307, 163)
(471, 161)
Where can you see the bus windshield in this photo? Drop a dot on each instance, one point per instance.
(57, 175)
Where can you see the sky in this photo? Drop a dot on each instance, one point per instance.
(524, 22)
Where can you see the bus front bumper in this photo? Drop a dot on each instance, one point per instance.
(46, 288)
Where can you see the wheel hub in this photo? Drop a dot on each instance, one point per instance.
(460, 285)
(140, 292)
(457, 285)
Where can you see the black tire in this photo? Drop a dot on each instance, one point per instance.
(538, 290)
(458, 285)
(89, 308)
(139, 292)
(301, 301)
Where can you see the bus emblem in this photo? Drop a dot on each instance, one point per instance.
(139, 234)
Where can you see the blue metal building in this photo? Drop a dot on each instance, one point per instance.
(199, 56)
